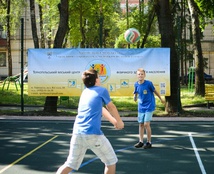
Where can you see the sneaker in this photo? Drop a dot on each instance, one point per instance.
(147, 145)
(138, 145)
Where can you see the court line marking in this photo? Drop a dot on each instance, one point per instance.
(91, 160)
(95, 158)
(168, 139)
(197, 154)
(29, 153)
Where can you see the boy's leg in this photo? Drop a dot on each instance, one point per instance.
(76, 155)
(64, 170)
(148, 118)
(141, 129)
(101, 146)
(110, 169)
(141, 132)
(141, 135)
(141, 117)
(148, 131)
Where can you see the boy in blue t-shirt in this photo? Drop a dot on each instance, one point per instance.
(87, 133)
(144, 91)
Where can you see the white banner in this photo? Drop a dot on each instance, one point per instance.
(57, 72)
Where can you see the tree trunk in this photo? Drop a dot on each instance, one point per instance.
(51, 102)
(33, 24)
(150, 21)
(198, 56)
(42, 35)
(82, 30)
(173, 103)
(10, 62)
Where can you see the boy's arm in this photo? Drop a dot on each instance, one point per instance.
(108, 116)
(135, 93)
(135, 97)
(156, 93)
(114, 112)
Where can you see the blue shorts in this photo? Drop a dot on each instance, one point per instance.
(145, 117)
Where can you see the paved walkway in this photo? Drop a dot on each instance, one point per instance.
(64, 118)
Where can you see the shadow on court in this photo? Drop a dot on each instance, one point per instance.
(40, 147)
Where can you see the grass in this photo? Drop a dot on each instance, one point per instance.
(12, 97)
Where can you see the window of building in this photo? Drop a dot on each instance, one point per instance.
(2, 59)
(2, 32)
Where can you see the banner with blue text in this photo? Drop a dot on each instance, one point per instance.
(57, 72)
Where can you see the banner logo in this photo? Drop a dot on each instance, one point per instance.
(102, 68)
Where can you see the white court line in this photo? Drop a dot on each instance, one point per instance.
(197, 154)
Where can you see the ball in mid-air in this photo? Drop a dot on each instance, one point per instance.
(132, 35)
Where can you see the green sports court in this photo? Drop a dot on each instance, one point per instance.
(34, 146)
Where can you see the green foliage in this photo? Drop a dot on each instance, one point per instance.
(50, 17)
(12, 97)
(120, 42)
(153, 41)
(206, 12)
(139, 20)
(206, 7)
(188, 97)
(85, 21)
(16, 12)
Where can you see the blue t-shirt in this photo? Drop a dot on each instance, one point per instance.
(146, 98)
(88, 120)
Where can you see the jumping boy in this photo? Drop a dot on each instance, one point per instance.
(87, 132)
(144, 92)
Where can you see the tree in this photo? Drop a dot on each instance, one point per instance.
(51, 102)
(206, 11)
(48, 21)
(151, 16)
(173, 103)
(92, 21)
(200, 11)
(42, 35)
(33, 24)
(143, 20)
(10, 20)
(198, 56)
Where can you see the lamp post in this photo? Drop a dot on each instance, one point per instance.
(22, 65)
(179, 38)
(127, 17)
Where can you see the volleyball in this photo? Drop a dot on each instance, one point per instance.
(132, 35)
